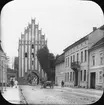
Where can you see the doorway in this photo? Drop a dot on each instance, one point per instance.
(76, 78)
(92, 80)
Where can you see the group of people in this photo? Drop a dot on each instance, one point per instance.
(13, 83)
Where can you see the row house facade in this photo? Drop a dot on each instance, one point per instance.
(59, 68)
(3, 67)
(76, 63)
(96, 65)
(77, 59)
(31, 41)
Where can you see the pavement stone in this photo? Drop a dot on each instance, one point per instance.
(12, 95)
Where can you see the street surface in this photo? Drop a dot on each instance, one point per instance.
(58, 95)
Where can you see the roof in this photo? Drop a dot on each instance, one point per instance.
(82, 39)
(60, 59)
(76, 43)
(98, 44)
(102, 27)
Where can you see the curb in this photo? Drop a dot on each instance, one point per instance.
(81, 91)
(23, 101)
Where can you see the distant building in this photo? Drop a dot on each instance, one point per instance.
(59, 68)
(31, 41)
(96, 65)
(11, 74)
(3, 66)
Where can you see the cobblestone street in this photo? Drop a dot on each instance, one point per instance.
(35, 95)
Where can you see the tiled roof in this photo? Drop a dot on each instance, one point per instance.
(102, 27)
(82, 39)
(60, 59)
(76, 43)
(99, 43)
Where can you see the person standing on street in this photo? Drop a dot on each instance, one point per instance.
(16, 83)
(62, 83)
(12, 83)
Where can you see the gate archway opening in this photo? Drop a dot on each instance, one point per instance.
(33, 77)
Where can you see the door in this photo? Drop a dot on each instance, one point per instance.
(92, 80)
(76, 78)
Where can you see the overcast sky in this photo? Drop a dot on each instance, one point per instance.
(62, 21)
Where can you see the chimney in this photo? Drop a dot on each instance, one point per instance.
(94, 28)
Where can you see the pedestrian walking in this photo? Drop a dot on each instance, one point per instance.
(12, 83)
(16, 83)
(62, 83)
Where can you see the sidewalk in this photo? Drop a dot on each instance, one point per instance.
(12, 95)
(90, 92)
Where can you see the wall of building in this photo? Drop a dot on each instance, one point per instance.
(59, 73)
(98, 67)
(83, 64)
(3, 68)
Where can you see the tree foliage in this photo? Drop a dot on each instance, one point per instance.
(47, 62)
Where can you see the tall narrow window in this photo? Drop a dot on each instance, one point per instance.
(68, 61)
(32, 46)
(70, 76)
(77, 56)
(32, 62)
(81, 75)
(73, 58)
(100, 76)
(73, 76)
(81, 56)
(84, 75)
(25, 54)
(101, 59)
(93, 60)
(32, 55)
(85, 55)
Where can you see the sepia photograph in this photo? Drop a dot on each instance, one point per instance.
(51, 52)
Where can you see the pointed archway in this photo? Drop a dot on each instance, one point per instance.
(32, 77)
